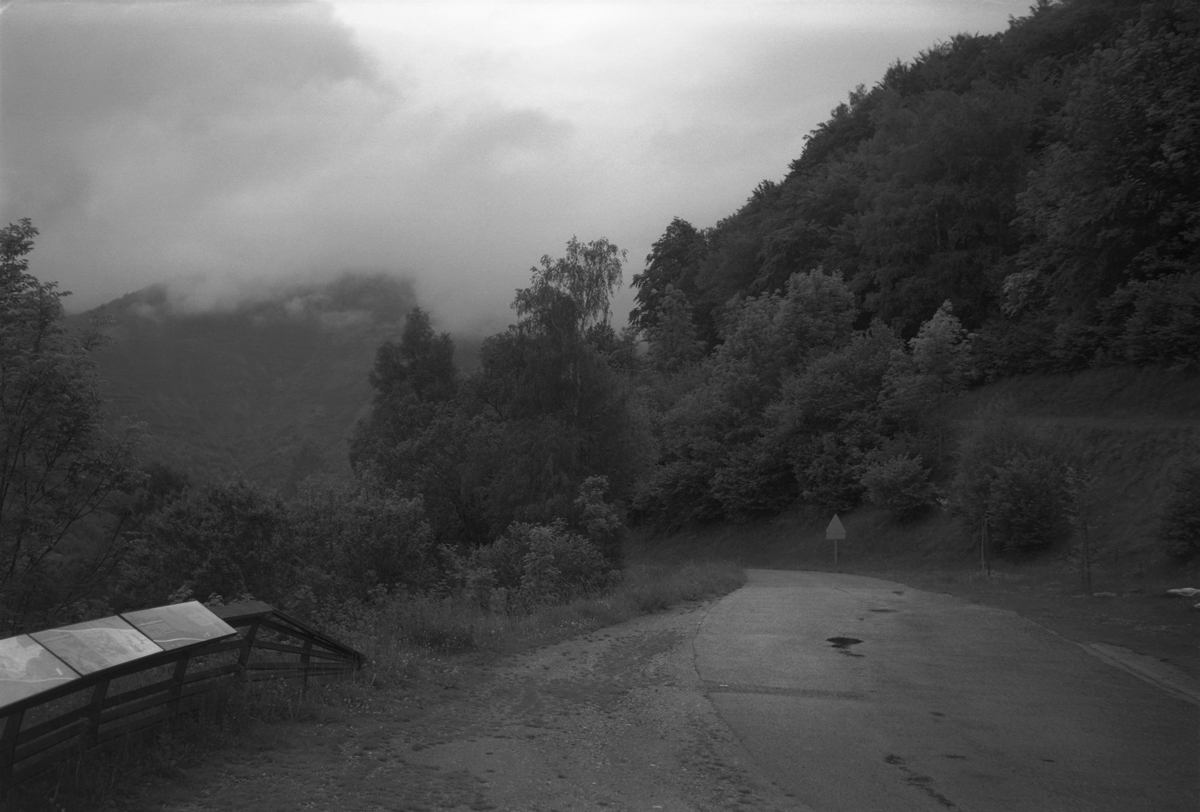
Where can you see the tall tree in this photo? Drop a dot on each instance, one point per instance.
(555, 391)
(411, 380)
(673, 262)
(567, 299)
(59, 469)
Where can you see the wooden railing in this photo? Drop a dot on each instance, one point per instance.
(130, 698)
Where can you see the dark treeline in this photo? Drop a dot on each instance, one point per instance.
(1027, 201)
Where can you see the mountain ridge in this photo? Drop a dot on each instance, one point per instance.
(268, 388)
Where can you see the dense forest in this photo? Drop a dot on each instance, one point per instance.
(1026, 201)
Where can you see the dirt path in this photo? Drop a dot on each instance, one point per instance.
(613, 720)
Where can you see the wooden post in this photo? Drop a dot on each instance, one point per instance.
(1085, 560)
(177, 682)
(304, 660)
(244, 655)
(8, 747)
(95, 711)
(985, 561)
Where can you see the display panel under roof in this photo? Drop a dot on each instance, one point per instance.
(182, 624)
(27, 668)
(97, 644)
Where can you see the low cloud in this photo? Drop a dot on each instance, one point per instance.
(226, 147)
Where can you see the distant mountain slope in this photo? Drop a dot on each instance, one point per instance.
(269, 389)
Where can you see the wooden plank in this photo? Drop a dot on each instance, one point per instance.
(286, 648)
(299, 668)
(135, 725)
(26, 751)
(211, 673)
(219, 647)
(30, 769)
(130, 708)
(263, 676)
(290, 649)
(274, 625)
(137, 693)
(110, 733)
(198, 690)
(171, 693)
(51, 725)
(303, 632)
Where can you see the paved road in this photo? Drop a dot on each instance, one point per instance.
(943, 704)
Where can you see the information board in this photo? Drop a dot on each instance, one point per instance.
(27, 668)
(96, 644)
(182, 624)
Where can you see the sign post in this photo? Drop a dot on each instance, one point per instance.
(835, 532)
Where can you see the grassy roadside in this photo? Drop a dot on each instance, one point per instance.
(414, 644)
(409, 639)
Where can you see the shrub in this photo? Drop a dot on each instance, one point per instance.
(899, 484)
(355, 538)
(1180, 524)
(538, 564)
(225, 539)
(1029, 505)
(1020, 484)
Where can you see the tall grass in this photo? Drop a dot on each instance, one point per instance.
(404, 635)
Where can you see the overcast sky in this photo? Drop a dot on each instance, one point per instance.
(227, 143)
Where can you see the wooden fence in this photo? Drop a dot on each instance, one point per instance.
(130, 698)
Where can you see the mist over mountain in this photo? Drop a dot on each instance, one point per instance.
(268, 387)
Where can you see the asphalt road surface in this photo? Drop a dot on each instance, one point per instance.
(854, 693)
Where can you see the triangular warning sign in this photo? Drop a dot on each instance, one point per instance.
(836, 529)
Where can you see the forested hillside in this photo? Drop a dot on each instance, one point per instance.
(1043, 180)
(1028, 201)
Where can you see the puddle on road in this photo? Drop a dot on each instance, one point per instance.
(883, 610)
(843, 644)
